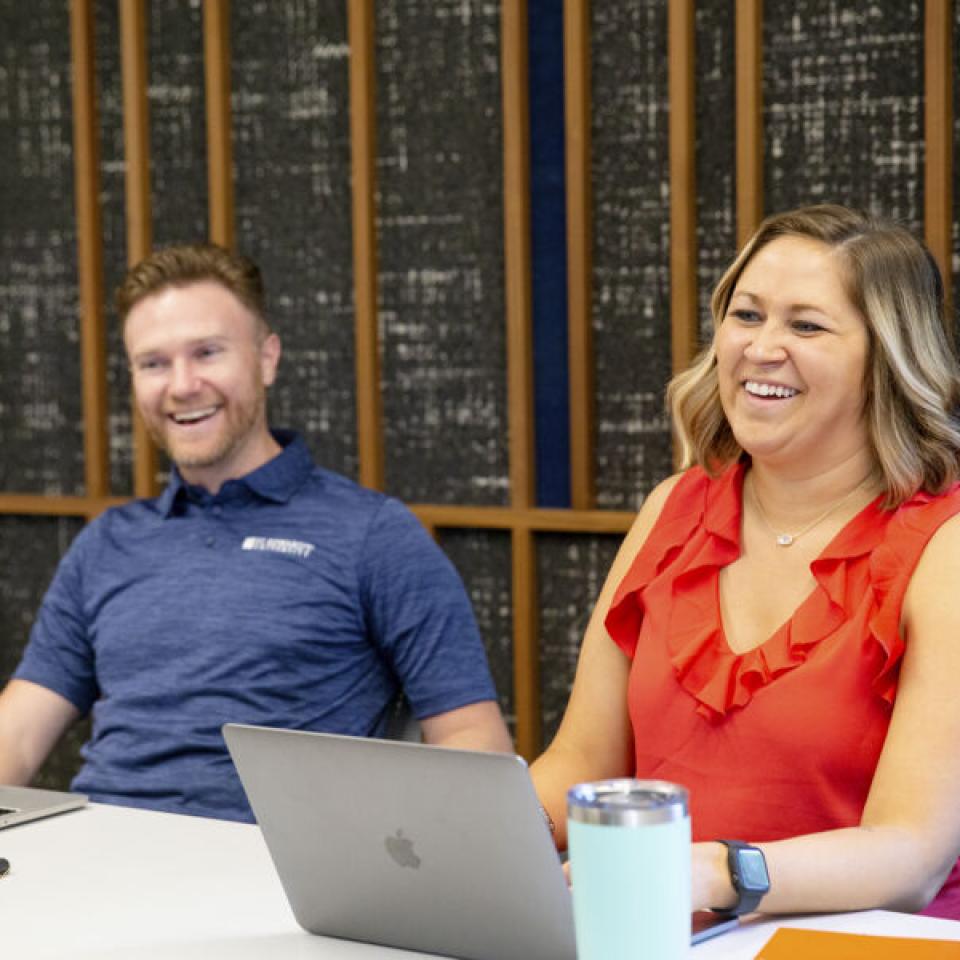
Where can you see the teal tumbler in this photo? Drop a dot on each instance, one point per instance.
(629, 844)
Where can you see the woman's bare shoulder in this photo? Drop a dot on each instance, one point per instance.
(653, 504)
(938, 569)
(660, 493)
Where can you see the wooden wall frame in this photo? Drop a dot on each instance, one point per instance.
(938, 133)
(576, 79)
(93, 353)
(363, 146)
(136, 145)
(216, 63)
(748, 56)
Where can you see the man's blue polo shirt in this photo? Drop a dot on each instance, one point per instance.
(291, 598)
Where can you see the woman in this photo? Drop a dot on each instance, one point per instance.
(780, 631)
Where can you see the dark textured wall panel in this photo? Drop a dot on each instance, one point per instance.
(843, 105)
(40, 411)
(30, 548)
(631, 196)
(571, 569)
(441, 249)
(113, 220)
(292, 158)
(484, 561)
(716, 150)
(178, 135)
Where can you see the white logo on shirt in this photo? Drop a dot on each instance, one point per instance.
(294, 548)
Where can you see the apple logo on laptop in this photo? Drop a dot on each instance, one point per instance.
(400, 849)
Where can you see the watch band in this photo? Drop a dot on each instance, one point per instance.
(749, 893)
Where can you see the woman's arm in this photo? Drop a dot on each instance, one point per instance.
(909, 835)
(594, 741)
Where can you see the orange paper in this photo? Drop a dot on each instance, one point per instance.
(791, 943)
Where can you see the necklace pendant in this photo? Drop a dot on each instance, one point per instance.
(784, 539)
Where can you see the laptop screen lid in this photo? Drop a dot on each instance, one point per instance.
(22, 804)
(426, 848)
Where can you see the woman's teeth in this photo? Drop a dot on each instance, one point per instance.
(768, 390)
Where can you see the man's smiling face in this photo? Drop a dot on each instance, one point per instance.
(201, 363)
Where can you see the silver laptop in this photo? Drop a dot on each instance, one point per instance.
(431, 849)
(20, 804)
(426, 848)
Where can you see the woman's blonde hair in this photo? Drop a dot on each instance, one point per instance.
(912, 380)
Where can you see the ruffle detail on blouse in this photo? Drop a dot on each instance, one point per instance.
(884, 624)
(914, 524)
(701, 530)
(721, 680)
(680, 518)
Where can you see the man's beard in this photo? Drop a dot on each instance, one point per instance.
(240, 422)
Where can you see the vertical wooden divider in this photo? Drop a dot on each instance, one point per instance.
(681, 71)
(136, 143)
(216, 67)
(526, 642)
(749, 96)
(86, 164)
(360, 18)
(681, 79)
(576, 79)
(517, 267)
(938, 132)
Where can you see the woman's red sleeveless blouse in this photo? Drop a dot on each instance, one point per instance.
(784, 739)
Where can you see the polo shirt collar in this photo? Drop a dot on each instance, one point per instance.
(277, 480)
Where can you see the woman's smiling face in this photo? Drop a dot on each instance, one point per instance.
(792, 356)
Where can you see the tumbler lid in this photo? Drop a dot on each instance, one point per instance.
(627, 802)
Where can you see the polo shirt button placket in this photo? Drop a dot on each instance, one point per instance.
(217, 512)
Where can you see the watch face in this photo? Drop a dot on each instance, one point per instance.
(753, 870)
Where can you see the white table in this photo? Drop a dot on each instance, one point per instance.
(110, 882)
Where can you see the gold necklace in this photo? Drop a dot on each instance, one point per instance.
(789, 539)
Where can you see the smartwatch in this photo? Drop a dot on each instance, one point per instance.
(748, 874)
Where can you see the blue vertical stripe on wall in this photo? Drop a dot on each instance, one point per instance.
(549, 253)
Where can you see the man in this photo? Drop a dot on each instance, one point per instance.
(257, 588)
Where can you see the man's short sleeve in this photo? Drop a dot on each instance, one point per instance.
(58, 655)
(418, 613)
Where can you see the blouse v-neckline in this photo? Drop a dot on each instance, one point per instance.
(738, 481)
(720, 678)
(861, 574)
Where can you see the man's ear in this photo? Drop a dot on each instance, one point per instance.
(270, 351)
